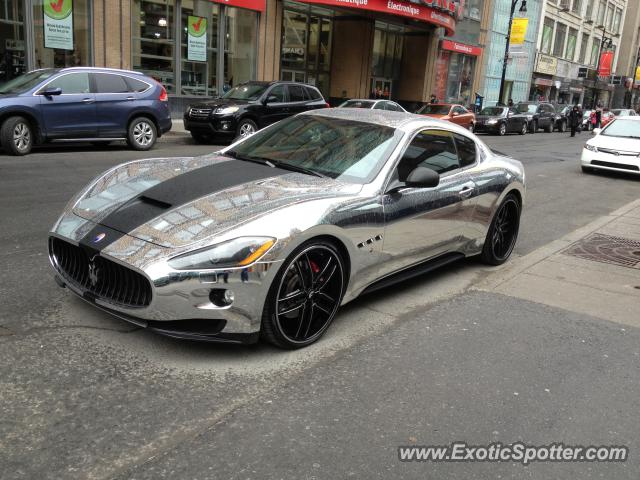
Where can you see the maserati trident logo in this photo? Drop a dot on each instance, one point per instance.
(98, 238)
(93, 273)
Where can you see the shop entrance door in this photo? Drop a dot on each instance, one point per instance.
(381, 88)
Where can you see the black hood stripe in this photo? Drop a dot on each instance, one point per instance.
(173, 193)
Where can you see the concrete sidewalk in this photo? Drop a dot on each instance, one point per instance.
(594, 270)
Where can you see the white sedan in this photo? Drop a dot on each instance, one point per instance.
(615, 147)
(374, 104)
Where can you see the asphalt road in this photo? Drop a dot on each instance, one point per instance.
(83, 395)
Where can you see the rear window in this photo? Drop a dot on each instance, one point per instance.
(108, 83)
(136, 85)
(296, 93)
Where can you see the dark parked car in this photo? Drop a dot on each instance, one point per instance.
(248, 107)
(562, 116)
(501, 120)
(539, 115)
(81, 103)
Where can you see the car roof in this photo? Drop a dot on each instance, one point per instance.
(633, 118)
(99, 69)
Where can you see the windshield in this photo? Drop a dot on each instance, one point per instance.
(621, 113)
(527, 108)
(357, 104)
(622, 128)
(434, 110)
(247, 91)
(493, 111)
(345, 150)
(26, 82)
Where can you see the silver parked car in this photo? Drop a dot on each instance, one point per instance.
(270, 235)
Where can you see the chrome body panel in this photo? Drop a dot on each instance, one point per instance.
(380, 232)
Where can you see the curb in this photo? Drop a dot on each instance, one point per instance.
(519, 265)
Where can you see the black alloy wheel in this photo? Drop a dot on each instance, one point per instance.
(523, 130)
(502, 129)
(563, 126)
(503, 232)
(305, 296)
(534, 126)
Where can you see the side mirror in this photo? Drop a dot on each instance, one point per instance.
(271, 99)
(50, 92)
(596, 131)
(422, 177)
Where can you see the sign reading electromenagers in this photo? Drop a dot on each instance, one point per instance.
(197, 39)
(58, 24)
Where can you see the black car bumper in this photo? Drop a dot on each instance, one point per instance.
(484, 128)
(219, 126)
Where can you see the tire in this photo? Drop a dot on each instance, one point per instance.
(245, 128)
(503, 232)
(502, 129)
(142, 134)
(304, 296)
(523, 130)
(16, 136)
(534, 127)
(471, 127)
(549, 128)
(563, 127)
(202, 138)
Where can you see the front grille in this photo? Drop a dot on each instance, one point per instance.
(103, 278)
(615, 165)
(199, 112)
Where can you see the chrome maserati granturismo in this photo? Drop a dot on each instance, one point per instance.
(271, 235)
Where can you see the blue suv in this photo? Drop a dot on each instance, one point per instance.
(98, 105)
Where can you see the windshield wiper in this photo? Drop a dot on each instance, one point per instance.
(297, 168)
(259, 160)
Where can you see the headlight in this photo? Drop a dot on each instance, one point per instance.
(492, 122)
(226, 110)
(529, 117)
(591, 147)
(234, 253)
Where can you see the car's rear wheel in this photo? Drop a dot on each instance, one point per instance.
(142, 134)
(523, 130)
(503, 232)
(16, 136)
(502, 129)
(245, 128)
(304, 296)
(201, 137)
(549, 128)
(563, 127)
(534, 127)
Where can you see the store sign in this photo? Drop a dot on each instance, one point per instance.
(402, 8)
(546, 82)
(519, 30)
(58, 24)
(461, 48)
(606, 59)
(637, 75)
(454, 8)
(257, 5)
(547, 64)
(196, 39)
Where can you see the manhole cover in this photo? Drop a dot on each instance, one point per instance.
(607, 249)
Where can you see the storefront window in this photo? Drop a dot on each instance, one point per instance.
(153, 40)
(12, 61)
(62, 34)
(240, 46)
(460, 78)
(198, 73)
(387, 56)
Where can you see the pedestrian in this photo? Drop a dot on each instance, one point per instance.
(579, 130)
(433, 98)
(593, 119)
(598, 117)
(574, 119)
(510, 102)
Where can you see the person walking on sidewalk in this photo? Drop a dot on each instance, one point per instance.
(574, 119)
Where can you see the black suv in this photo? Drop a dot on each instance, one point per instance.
(539, 115)
(248, 107)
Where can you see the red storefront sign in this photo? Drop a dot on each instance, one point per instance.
(461, 48)
(606, 59)
(257, 5)
(417, 11)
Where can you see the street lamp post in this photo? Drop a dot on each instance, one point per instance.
(606, 42)
(523, 9)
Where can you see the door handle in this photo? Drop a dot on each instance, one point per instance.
(466, 191)
(131, 98)
(88, 100)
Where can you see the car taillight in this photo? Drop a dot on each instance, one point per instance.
(327, 105)
(163, 94)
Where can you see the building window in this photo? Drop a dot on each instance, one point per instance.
(609, 19)
(473, 9)
(601, 9)
(547, 35)
(67, 49)
(13, 61)
(583, 48)
(595, 49)
(616, 21)
(576, 6)
(589, 12)
(572, 40)
(153, 40)
(241, 30)
(558, 44)
(199, 77)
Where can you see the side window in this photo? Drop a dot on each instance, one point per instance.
(278, 92)
(459, 110)
(379, 106)
(108, 83)
(296, 93)
(394, 107)
(71, 83)
(432, 149)
(313, 94)
(135, 85)
(466, 150)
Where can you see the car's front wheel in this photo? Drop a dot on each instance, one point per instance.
(245, 128)
(502, 129)
(534, 127)
(305, 296)
(503, 232)
(16, 136)
(523, 130)
(549, 128)
(563, 127)
(142, 134)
